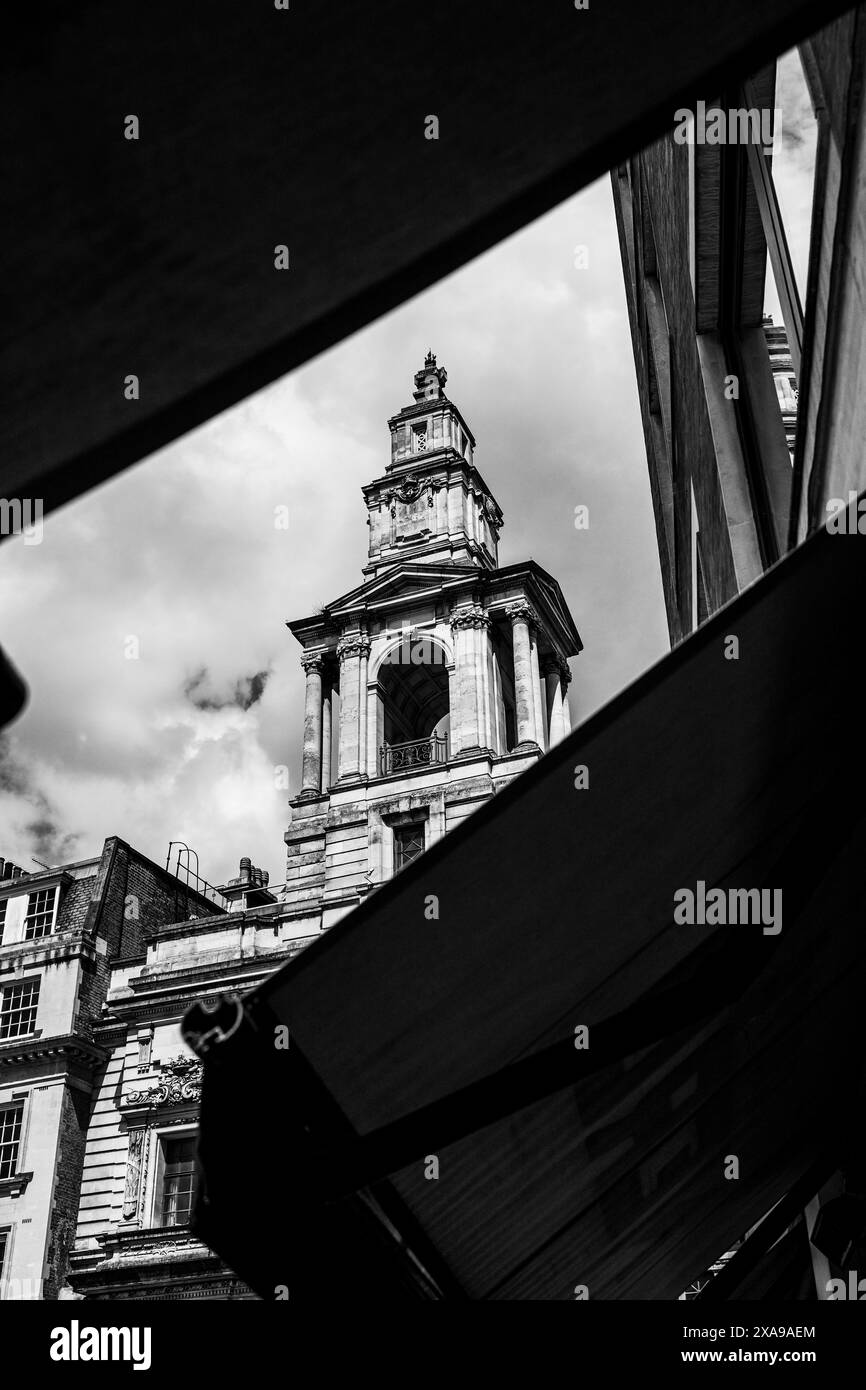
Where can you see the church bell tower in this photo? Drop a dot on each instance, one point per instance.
(432, 684)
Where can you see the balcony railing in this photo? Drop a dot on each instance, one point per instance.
(419, 752)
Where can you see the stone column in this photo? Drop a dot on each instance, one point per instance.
(363, 656)
(481, 637)
(540, 723)
(374, 722)
(350, 651)
(326, 738)
(521, 615)
(311, 771)
(465, 712)
(557, 675)
(566, 713)
(550, 672)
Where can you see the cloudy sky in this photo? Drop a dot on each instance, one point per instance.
(181, 554)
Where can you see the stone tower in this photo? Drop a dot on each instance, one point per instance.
(432, 684)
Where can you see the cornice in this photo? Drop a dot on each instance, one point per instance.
(66, 943)
(149, 1002)
(32, 883)
(69, 1045)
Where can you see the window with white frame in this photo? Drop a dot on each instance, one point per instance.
(175, 1189)
(39, 920)
(4, 1245)
(3, 902)
(18, 1005)
(10, 1142)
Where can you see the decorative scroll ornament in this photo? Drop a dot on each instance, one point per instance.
(353, 646)
(179, 1084)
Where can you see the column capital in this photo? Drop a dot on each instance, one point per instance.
(313, 661)
(469, 617)
(554, 665)
(356, 645)
(522, 611)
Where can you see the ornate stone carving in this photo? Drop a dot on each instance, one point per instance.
(409, 489)
(313, 661)
(469, 617)
(179, 1084)
(552, 664)
(353, 646)
(522, 610)
(491, 512)
(133, 1173)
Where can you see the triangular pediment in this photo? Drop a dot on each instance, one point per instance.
(404, 579)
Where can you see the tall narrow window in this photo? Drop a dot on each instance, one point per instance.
(408, 844)
(3, 902)
(40, 913)
(4, 1236)
(10, 1142)
(178, 1181)
(18, 1004)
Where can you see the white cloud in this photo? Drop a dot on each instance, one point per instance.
(182, 553)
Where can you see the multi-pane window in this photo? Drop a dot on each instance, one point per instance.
(178, 1181)
(4, 1235)
(40, 913)
(18, 1005)
(3, 902)
(10, 1140)
(408, 843)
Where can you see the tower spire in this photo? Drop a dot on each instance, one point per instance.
(430, 381)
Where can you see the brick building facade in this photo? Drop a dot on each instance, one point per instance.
(61, 932)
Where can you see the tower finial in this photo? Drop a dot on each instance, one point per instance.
(430, 381)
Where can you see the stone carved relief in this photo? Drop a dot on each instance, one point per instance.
(491, 512)
(470, 617)
(133, 1172)
(408, 490)
(522, 610)
(353, 646)
(179, 1084)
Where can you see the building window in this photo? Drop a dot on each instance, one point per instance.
(178, 1181)
(419, 437)
(10, 1142)
(18, 1009)
(408, 844)
(3, 902)
(40, 913)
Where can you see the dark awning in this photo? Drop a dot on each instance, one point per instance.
(559, 1167)
(301, 127)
